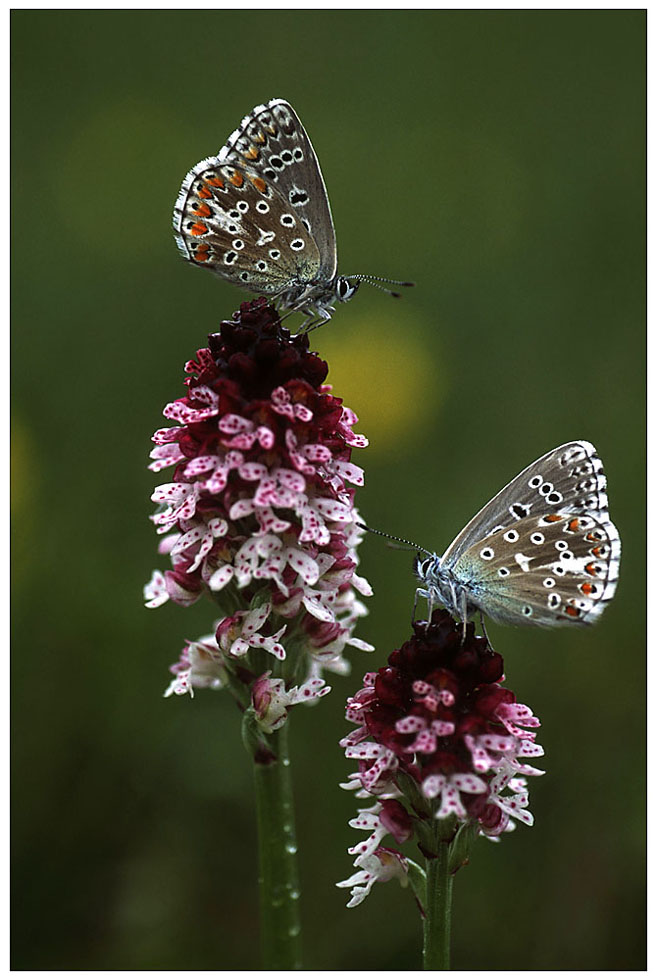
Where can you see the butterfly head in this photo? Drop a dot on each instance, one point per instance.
(425, 565)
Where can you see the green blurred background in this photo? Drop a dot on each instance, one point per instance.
(498, 159)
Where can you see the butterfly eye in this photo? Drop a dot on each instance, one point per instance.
(344, 289)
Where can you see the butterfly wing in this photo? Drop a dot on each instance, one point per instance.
(553, 570)
(569, 480)
(235, 222)
(272, 142)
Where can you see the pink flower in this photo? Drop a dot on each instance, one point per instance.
(439, 739)
(271, 701)
(201, 664)
(382, 865)
(258, 513)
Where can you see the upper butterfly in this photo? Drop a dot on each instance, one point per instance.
(258, 215)
(543, 551)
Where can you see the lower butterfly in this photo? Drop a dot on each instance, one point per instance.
(542, 552)
(258, 215)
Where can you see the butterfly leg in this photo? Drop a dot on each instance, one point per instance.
(454, 610)
(322, 315)
(429, 608)
(483, 630)
(422, 594)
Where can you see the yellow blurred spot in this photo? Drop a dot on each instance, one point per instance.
(22, 468)
(389, 372)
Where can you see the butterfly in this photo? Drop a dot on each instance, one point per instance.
(542, 552)
(258, 215)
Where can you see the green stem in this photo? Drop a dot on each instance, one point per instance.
(279, 882)
(437, 924)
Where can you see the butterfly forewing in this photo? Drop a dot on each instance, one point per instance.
(235, 222)
(568, 480)
(550, 570)
(272, 141)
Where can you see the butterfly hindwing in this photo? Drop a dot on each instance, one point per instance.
(553, 570)
(235, 222)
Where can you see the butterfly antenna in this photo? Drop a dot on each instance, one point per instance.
(377, 280)
(393, 537)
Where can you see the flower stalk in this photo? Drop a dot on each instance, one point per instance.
(278, 876)
(438, 910)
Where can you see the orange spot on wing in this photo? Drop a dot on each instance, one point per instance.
(198, 229)
(215, 182)
(551, 518)
(205, 192)
(574, 524)
(591, 568)
(252, 153)
(200, 256)
(202, 210)
(596, 551)
(571, 611)
(586, 588)
(260, 138)
(237, 180)
(259, 184)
